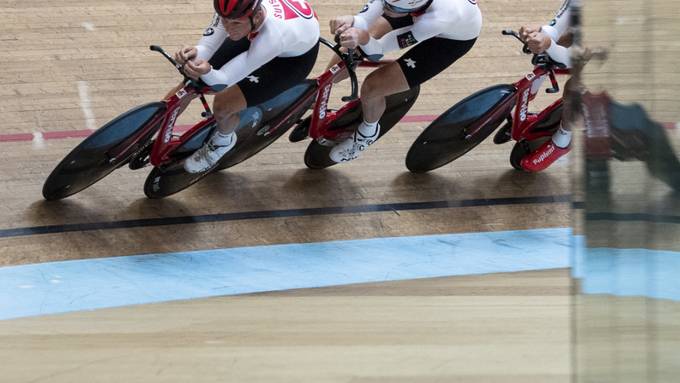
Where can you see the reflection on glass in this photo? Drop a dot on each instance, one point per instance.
(627, 209)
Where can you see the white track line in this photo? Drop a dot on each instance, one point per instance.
(88, 26)
(85, 105)
(38, 140)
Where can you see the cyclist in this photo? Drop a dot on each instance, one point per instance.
(441, 31)
(252, 51)
(554, 40)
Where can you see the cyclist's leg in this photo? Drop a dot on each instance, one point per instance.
(560, 143)
(415, 67)
(226, 105)
(263, 84)
(277, 76)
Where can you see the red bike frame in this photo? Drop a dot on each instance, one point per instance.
(522, 122)
(319, 94)
(322, 118)
(166, 142)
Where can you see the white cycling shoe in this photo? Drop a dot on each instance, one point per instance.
(208, 155)
(350, 149)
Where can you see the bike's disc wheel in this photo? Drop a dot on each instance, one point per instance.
(253, 135)
(317, 155)
(172, 178)
(446, 139)
(90, 160)
(251, 139)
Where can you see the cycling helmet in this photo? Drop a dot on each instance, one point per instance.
(406, 6)
(235, 9)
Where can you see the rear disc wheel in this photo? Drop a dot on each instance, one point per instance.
(90, 161)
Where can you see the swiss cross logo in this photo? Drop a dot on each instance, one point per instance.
(290, 9)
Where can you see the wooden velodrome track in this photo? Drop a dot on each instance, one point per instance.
(69, 66)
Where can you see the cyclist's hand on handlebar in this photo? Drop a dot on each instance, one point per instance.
(538, 42)
(340, 24)
(353, 37)
(196, 68)
(186, 54)
(526, 30)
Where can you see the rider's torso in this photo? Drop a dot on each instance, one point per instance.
(449, 19)
(290, 29)
(463, 17)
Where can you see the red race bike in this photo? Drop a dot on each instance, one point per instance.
(466, 124)
(147, 135)
(327, 127)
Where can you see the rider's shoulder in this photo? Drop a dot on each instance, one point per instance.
(450, 9)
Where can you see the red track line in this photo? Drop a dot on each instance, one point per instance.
(58, 135)
(16, 137)
(65, 134)
(419, 118)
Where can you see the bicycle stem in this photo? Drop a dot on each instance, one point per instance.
(553, 81)
(510, 32)
(178, 66)
(350, 64)
(160, 50)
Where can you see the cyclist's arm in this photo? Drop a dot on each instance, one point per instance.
(262, 50)
(557, 28)
(560, 54)
(560, 24)
(368, 15)
(213, 37)
(426, 27)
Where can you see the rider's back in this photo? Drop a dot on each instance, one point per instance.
(293, 26)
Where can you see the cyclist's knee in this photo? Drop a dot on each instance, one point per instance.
(223, 111)
(222, 114)
(384, 81)
(372, 86)
(228, 103)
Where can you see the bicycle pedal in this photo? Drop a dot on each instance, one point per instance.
(301, 130)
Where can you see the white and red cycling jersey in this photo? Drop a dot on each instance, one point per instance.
(290, 29)
(449, 19)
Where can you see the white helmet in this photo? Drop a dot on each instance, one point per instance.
(406, 6)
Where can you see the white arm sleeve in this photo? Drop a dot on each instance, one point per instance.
(560, 54)
(556, 29)
(372, 10)
(261, 51)
(425, 27)
(213, 36)
(560, 24)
